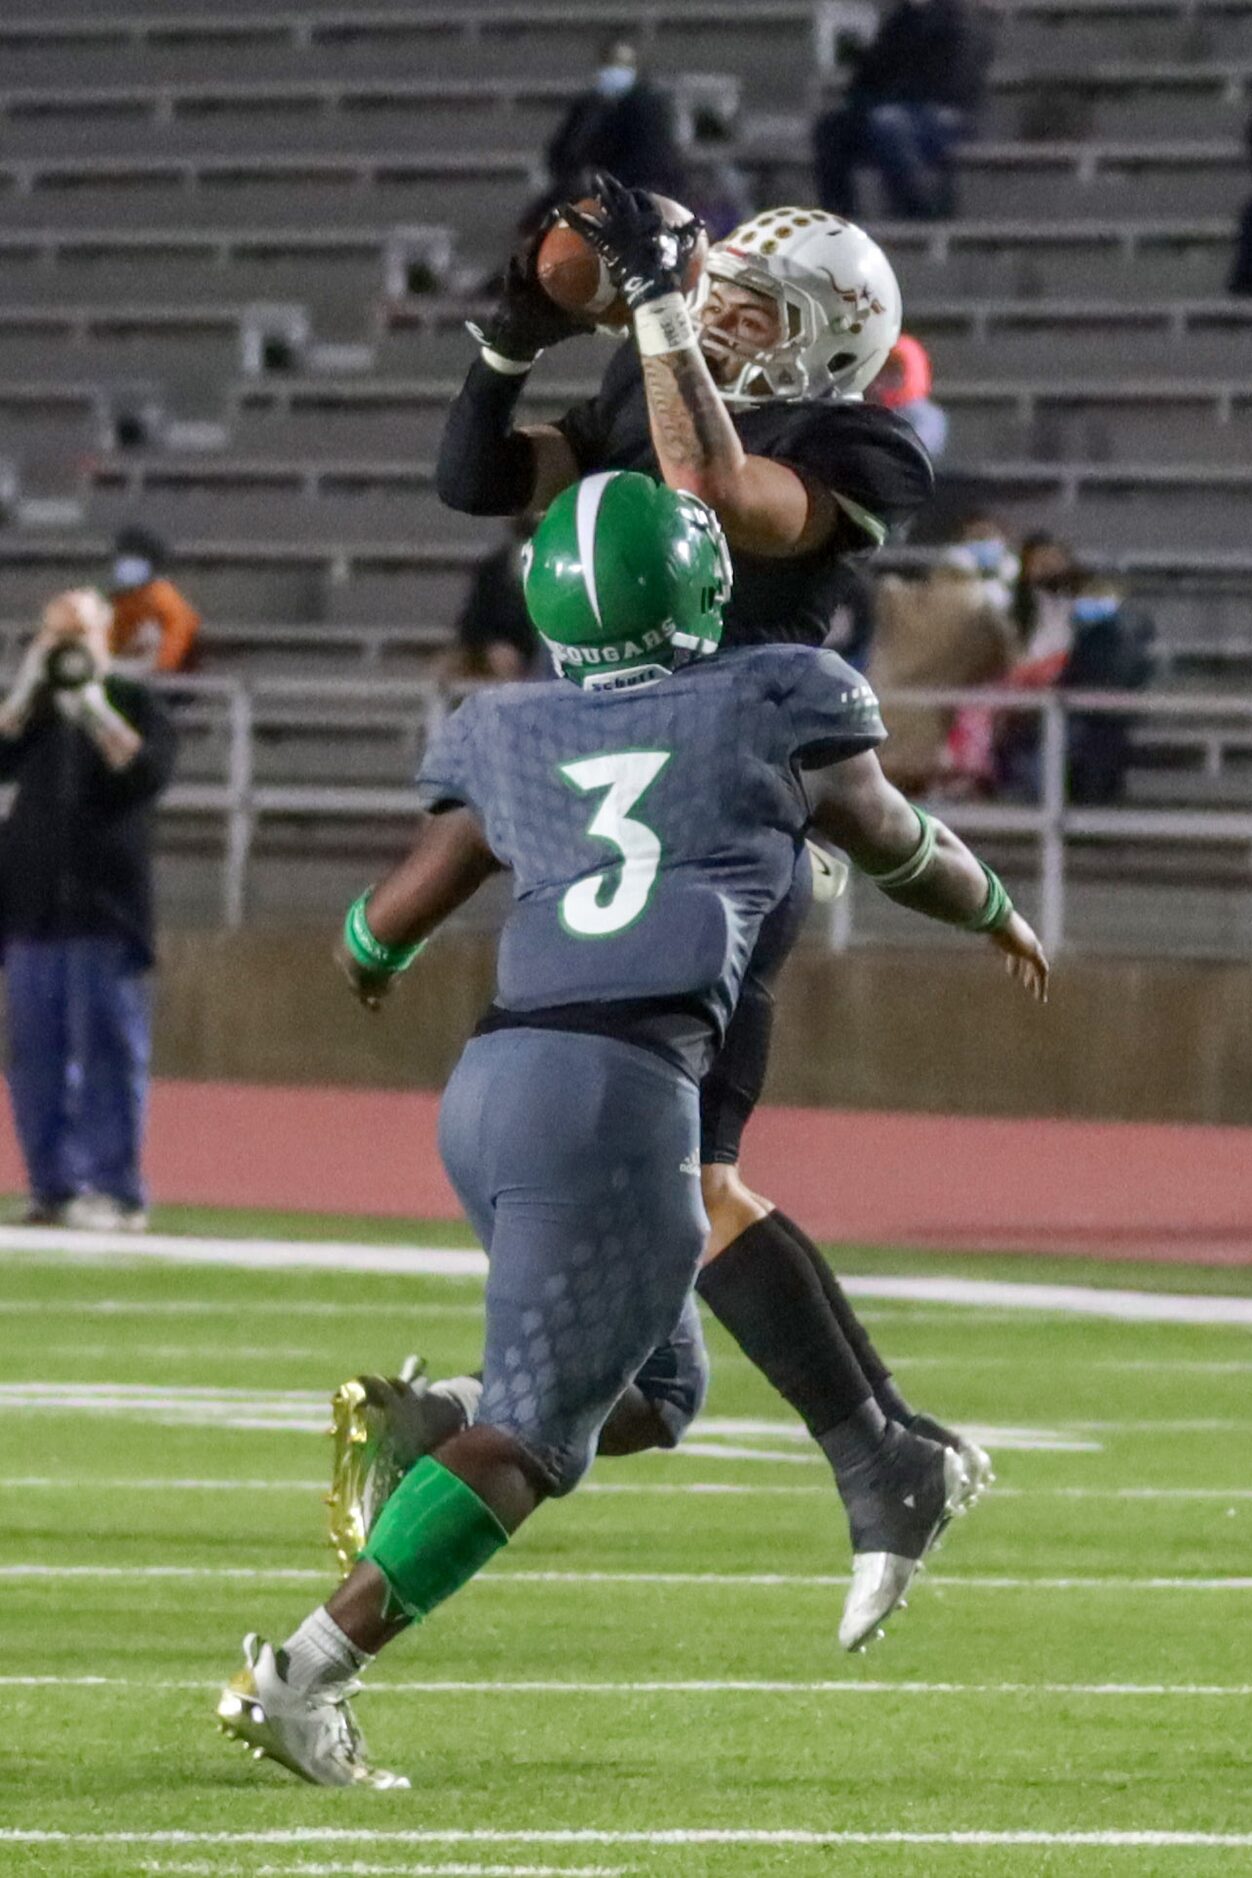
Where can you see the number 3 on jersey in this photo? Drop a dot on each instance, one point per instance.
(624, 777)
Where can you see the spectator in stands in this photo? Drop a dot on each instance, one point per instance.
(154, 627)
(950, 629)
(915, 92)
(624, 124)
(89, 751)
(494, 634)
(1103, 645)
(985, 541)
(904, 385)
(1240, 279)
(1043, 593)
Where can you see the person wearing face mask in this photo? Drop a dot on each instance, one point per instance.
(1110, 652)
(154, 626)
(624, 124)
(1085, 639)
(89, 750)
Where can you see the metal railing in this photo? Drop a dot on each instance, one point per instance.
(239, 710)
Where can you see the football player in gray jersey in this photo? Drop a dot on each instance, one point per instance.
(752, 400)
(651, 811)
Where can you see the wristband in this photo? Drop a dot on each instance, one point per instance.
(664, 325)
(370, 953)
(498, 361)
(998, 910)
(917, 863)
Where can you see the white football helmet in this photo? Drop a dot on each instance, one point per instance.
(837, 297)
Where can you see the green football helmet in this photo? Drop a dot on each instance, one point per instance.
(623, 576)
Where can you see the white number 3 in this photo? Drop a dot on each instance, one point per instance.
(584, 910)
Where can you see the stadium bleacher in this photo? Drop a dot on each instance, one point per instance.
(208, 220)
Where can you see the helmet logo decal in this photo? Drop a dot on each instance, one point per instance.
(590, 495)
(859, 298)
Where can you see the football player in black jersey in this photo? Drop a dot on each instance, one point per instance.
(753, 403)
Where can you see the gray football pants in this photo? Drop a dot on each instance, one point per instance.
(576, 1158)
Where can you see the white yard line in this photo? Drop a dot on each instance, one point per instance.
(521, 1580)
(723, 1686)
(38, 1483)
(719, 1835)
(1130, 1365)
(449, 1262)
(306, 1411)
(158, 1483)
(205, 1307)
(358, 1868)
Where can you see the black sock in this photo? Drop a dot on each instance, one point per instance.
(887, 1396)
(764, 1291)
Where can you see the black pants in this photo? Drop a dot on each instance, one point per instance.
(732, 1088)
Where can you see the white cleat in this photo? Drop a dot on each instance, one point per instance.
(314, 1736)
(880, 1580)
(979, 1468)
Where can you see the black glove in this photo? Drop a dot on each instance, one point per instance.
(524, 322)
(645, 257)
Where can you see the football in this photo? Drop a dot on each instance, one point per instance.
(573, 275)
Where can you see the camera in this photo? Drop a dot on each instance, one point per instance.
(69, 666)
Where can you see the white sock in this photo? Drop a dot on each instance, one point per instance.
(465, 1391)
(319, 1656)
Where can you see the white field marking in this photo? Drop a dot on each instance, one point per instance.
(1178, 1365)
(186, 1352)
(123, 1483)
(1144, 1307)
(359, 1869)
(203, 1307)
(327, 1255)
(725, 1686)
(586, 1835)
(1160, 1307)
(787, 1581)
(306, 1411)
(712, 1430)
(723, 1451)
(1196, 1425)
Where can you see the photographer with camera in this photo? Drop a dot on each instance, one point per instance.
(89, 751)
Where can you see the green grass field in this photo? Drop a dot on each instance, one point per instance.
(657, 1655)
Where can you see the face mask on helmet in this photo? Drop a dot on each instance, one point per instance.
(837, 298)
(625, 579)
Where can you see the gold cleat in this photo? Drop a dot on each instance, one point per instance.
(380, 1428)
(349, 1468)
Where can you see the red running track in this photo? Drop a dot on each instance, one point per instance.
(1117, 1189)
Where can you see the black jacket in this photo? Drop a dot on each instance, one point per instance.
(632, 137)
(937, 53)
(76, 850)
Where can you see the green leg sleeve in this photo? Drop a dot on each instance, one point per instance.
(431, 1537)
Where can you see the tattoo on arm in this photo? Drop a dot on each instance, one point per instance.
(691, 426)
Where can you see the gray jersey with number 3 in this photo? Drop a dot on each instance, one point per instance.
(650, 830)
